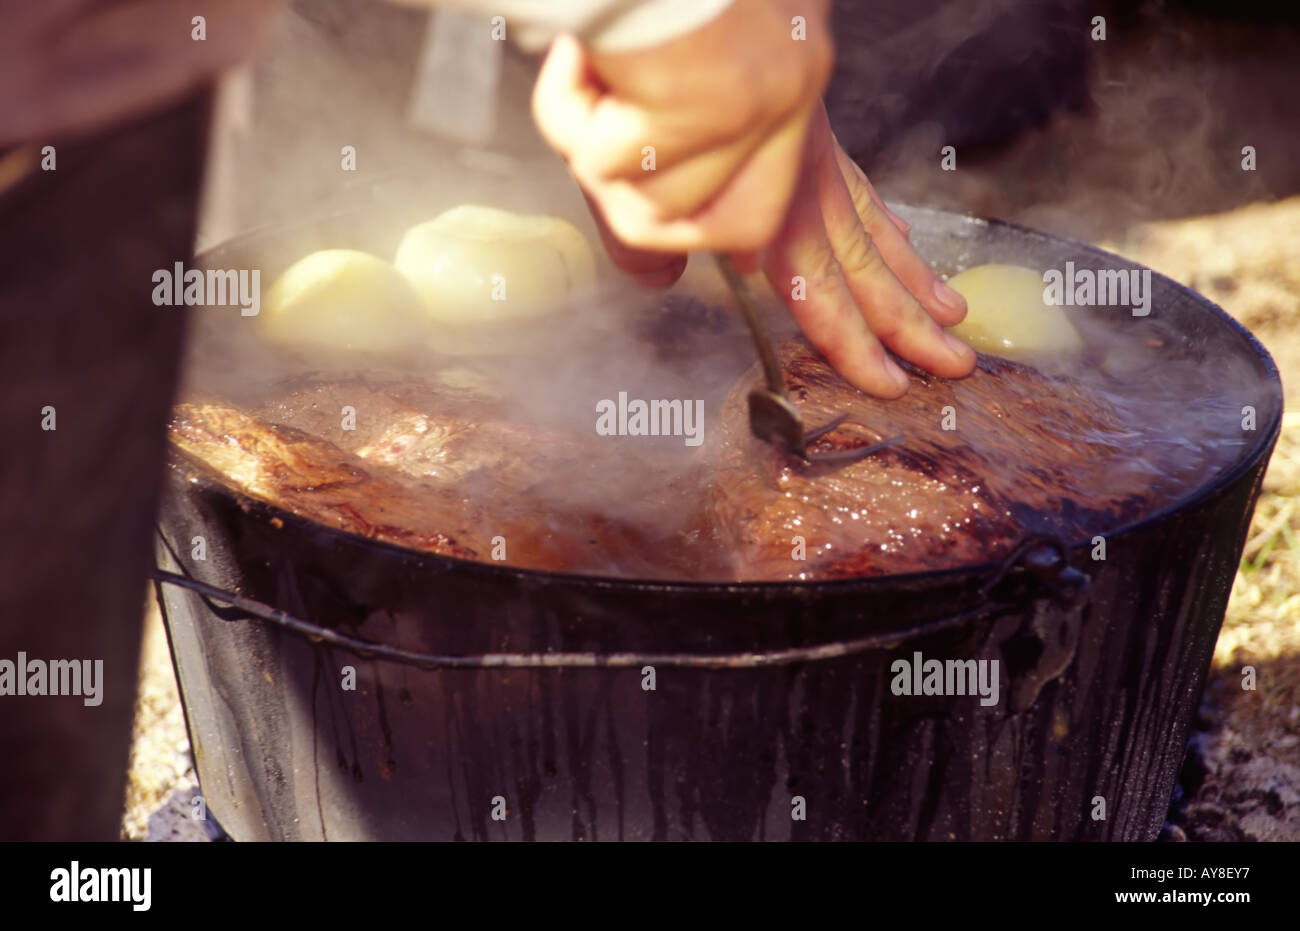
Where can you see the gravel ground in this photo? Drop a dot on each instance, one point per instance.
(162, 779)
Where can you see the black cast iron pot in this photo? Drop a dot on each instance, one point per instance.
(496, 703)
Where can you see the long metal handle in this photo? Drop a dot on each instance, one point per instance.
(745, 660)
(1035, 554)
(771, 369)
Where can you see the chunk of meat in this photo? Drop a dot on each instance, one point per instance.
(428, 435)
(416, 474)
(310, 477)
(985, 461)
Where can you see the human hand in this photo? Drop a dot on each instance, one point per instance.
(745, 161)
(695, 144)
(864, 287)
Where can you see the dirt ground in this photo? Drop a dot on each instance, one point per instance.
(1151, 169)
(162, 779)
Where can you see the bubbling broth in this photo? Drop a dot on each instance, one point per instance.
(581, 454)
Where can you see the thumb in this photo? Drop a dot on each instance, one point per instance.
(649, 269)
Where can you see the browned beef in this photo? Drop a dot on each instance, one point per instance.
(449, 472)
(440, 477)
(463, 443)
(313, 478)
(1029, 454)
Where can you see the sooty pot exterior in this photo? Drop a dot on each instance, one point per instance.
(1095, 692)
(695, 711)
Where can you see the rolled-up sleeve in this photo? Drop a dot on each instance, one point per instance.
(609, 26)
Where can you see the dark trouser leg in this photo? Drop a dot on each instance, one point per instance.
(79, 332)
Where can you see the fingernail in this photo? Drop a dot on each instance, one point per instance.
(896, 373)
(948, 297)
(956, 346)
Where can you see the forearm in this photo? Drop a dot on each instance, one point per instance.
(68, 68)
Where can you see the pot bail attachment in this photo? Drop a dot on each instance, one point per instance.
(1037, 574)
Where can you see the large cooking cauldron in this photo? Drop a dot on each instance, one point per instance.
(495, 703)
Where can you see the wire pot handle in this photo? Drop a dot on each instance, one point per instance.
(1045, 556)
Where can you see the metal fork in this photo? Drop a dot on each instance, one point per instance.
(773, 418)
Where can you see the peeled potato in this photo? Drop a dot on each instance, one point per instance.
(479, 265)
(342, 299)
(1007, 316)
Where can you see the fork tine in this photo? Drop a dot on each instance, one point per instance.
(853, 455)
(772, 416)
(822, 431)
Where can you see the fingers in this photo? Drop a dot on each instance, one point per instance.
(680, 190)
(889, 233)
(750, 210)
(603, 136)
(801, 256)
(903, 226)
(619, 135)
(565, 94)
(647, 268)
(738, 75)
(744, 217)
(857, 180)
(889, 308)
(694, 144)
(679, 210)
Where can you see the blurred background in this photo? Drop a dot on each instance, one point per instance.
(1132, 142)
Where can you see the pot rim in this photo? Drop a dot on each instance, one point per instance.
(198, 473)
